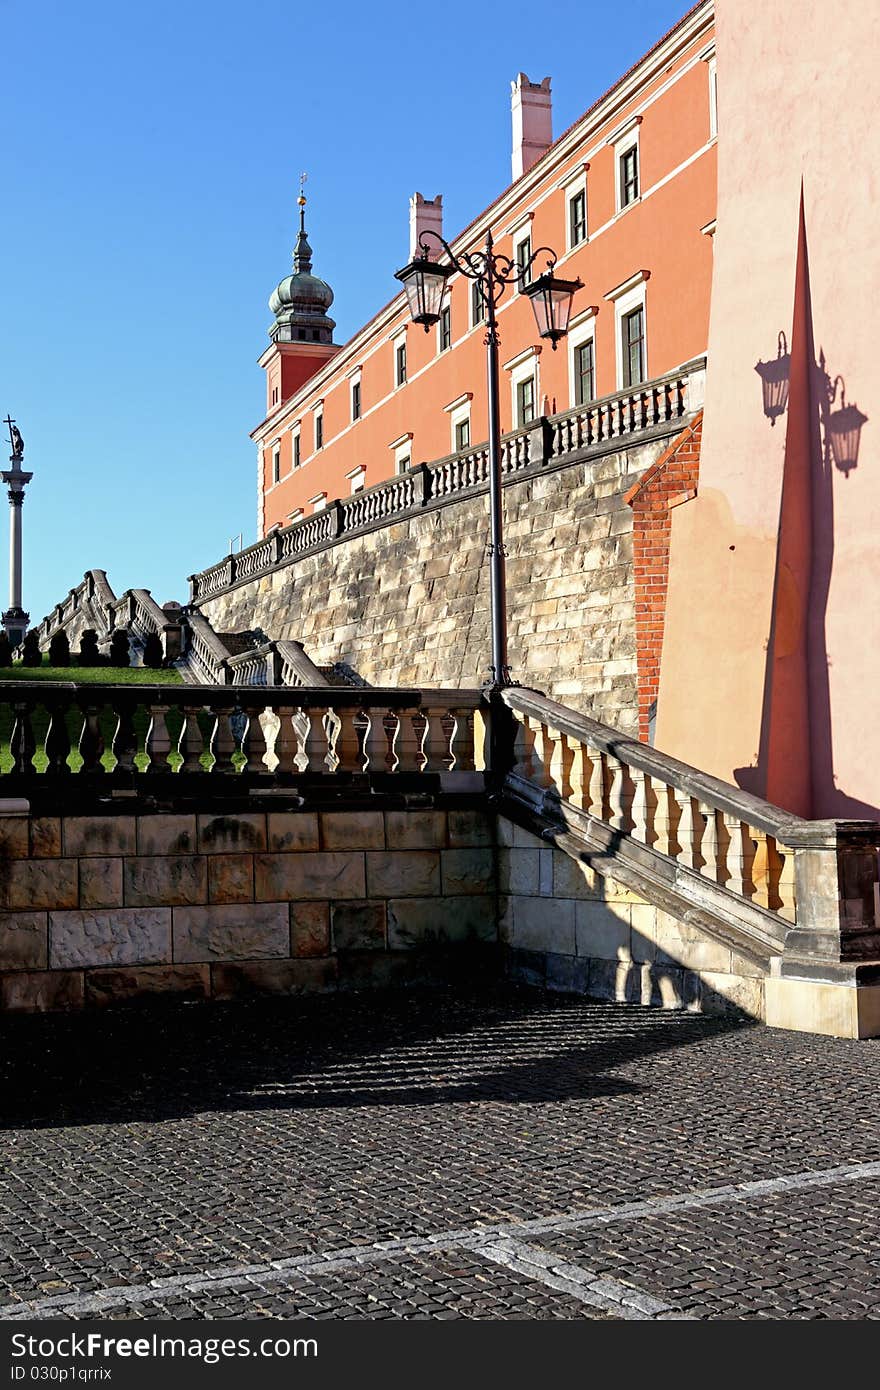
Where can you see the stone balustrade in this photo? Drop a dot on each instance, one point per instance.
(772, 880)
(124, 732)
(556, 441)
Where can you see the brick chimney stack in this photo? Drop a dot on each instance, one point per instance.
(530, 105)
(425, 215)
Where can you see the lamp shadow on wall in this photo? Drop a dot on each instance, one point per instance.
(822, 436)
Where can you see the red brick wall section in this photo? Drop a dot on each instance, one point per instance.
(669, 481)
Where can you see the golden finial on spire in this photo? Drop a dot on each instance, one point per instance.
(302, 190)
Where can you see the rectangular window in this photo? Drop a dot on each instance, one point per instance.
(478, 303)
(276, 464)
(297, 451)
(525, 401)
(445, 328)
(355, 400)
(523, 256)
(319, 430)
(584, 373)
(357, 480)
(577, 217)
(713, 100)
(462, 434)
(633, 329)
(274, 395)
(400, 364)
(403, 463)
(629, 176)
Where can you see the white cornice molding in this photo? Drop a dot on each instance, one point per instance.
(520, 224)
(401, 439)
(521, 357)
(708, 53)
(589, 313)
(575, 175)
(709, 229)
(459, 401)
(626, 285)
(623, 130)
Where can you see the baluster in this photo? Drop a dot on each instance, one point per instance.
(223, 739)
(524, 747)
(253, 745)
(740, 856)
(462, 747)
(785, 883)
(440, 757)
(687, 830)
(58, 741)
(644, 806)
(579, 773)
(391, 728)
(665, 819)
(596, 783)
(191, 744)
(22, 744)
(620, 794)
(316, 746)
(124, 742)
(349, 745)
(375, 741)
(91, 740)
(410, 740)
(557, 758)
(713, 861)
(158, 742)
(760, 867)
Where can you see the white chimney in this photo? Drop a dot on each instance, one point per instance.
(530, 106)
(425, 215)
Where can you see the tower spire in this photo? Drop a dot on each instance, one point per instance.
(302, 256)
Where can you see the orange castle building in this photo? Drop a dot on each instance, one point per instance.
(627, 199)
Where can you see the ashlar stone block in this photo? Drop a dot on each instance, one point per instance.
(23, 940)
(326, 875)
(99, 835)
(418, 922)
(169, 834)
(39, 883)
(100, 883)
(166, 879)
(359, 926)
(231, 878)
(229, 931)
(40, 991)
(400, 872)
(467, 871)
(352, 830)
(310, 929)
(293, 831)
(232, 833)
(117, 936)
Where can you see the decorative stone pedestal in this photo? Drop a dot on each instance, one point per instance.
(15, 624)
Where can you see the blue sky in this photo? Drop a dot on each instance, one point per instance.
(151, 156)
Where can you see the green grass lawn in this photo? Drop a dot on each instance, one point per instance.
(92, 675)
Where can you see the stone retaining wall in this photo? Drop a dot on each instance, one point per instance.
(566, 927)
(105, 908)
(407, 603)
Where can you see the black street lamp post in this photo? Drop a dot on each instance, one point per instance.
(425, 282)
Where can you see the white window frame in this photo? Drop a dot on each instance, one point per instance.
(624, 140)
(318, 502)
(712, 67)
(581, 330)
(572, 191)
(318, 414)
(398, 341)
(402, 447)
(459, 417)
(458, 411)
(295, 439)
(357, 479)
(475, 286)
(627, 297)
(526, 364)
(354, 386)
(524, 234)
(446, 308)
(275, 446)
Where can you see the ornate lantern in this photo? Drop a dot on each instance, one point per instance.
(551, 300)
(843, 430)
(425, 284)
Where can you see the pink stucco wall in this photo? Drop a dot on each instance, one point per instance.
(762, 681)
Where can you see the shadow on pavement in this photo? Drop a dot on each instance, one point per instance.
(507, 1045)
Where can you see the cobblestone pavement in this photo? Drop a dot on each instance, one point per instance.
(436, 1155)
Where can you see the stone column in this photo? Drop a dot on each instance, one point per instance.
(15, 619)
